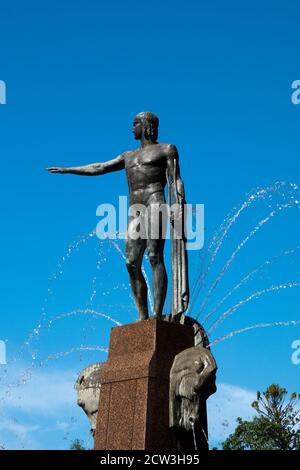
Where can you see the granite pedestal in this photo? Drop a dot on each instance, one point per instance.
(134, 402)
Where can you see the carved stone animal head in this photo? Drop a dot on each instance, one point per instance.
(192, 381)
(88, 392)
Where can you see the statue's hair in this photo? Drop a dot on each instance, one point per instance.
(89, 376)
(150, 122)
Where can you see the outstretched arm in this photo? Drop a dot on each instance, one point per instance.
(93, 169)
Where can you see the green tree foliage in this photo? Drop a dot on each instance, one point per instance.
(276, 427)
(77, 444)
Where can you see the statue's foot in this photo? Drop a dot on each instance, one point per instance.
(176, 318)
(157, 316)
(143, 317)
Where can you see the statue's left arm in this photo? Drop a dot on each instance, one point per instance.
(176, 188)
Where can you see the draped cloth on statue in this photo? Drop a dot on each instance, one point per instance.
(180, 281)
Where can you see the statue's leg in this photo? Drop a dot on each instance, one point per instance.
(155, 248)
(134, 255)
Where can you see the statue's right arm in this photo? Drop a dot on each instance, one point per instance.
(93, 169)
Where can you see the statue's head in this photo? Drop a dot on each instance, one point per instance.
(88, 392)
(145, 125)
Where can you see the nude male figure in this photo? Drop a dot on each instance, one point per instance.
(146, 170)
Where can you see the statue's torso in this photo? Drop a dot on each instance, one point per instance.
(146, 171)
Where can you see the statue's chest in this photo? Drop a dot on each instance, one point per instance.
(145, 159)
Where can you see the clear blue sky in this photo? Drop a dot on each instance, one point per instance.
(219, 76)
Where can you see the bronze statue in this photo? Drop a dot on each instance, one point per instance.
(149, 168)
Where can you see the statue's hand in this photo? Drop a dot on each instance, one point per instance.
(57, 169)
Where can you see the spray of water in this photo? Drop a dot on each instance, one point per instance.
(253, 327)
(26, 375)
(86, 311)
(95, 278)
(58, 355)
(254, 295)
(262, 222)
(72, 247)
(43, 322)
(249, 276)
(221, 233)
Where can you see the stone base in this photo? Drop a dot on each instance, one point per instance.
(134, 401)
